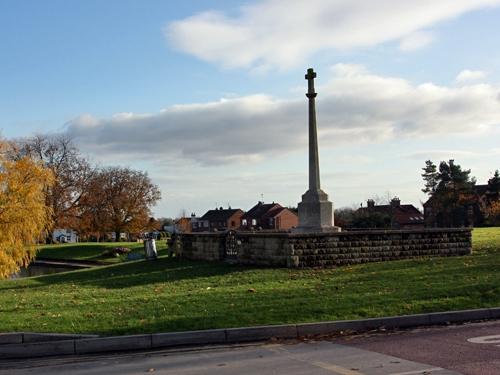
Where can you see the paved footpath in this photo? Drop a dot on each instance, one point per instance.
(472, 349)
(312, 358)
(466, 349)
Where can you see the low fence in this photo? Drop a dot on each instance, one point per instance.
(324, 249)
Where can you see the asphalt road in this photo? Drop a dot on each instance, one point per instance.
(471, 349)
(466, 349)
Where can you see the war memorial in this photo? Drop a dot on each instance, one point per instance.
(317, 242)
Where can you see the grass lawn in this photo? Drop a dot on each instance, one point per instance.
(93, 251)
(173, 294)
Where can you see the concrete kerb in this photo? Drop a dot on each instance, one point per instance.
(11, 338)
(211, 336)
(30, 337)
(495, 313)
(11, 347)
(262, 333)
(38, 349)
(112, 344)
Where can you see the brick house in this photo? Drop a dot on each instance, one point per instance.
(269, 216)
(219, 219)
(183, 225)
(399, 216)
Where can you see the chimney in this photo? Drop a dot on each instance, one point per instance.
(395, 202)
(370, 203)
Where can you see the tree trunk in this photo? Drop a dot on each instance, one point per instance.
(117, 236)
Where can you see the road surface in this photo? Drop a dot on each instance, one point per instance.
(466, 349)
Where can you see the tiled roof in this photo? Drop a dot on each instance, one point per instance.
(275, 212)
(220, 214)
(259, 210)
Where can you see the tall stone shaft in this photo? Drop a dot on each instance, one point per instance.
(314, 181)
(315, 210)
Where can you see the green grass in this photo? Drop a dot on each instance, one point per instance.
(93, 251)
(173, 294)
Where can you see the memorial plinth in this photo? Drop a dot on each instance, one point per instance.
(315, 210)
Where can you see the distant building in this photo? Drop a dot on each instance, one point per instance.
(269, 216)
(64, 235)
(472, 211)
(219, 219)
(398, 216)
(183, 224)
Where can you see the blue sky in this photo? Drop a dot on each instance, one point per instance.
(208, 97)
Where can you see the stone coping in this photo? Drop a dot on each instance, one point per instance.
(66, 345)
(331, 234)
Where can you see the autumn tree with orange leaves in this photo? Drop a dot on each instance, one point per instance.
(118, 200)
(24, 215)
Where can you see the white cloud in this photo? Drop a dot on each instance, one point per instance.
(353, 106)
(470, 76)
(451, 154)
(415, 41)
(285, 33)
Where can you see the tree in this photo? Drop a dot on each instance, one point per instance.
(430, 177)
(367, 219)
(494, 184)
(451, 192)
(493, 213)
(119, 200)
(71, 171)
(24, 215)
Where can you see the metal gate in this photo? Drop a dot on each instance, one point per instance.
(230, 245)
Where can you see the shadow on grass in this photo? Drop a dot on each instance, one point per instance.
(135, 273)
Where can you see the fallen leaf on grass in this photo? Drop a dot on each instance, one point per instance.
(251, 290)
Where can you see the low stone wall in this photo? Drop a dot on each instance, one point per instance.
(201, 246)
(324, 249)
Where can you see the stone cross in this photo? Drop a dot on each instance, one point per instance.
(315, 210)
(314, 182)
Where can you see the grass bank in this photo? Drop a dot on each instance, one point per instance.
(94, 251)
(174, 295)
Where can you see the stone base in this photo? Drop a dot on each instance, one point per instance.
(316, 229)
(315, 213)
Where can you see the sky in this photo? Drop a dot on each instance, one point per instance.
(208, 96)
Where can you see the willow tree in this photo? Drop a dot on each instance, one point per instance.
(24, 215)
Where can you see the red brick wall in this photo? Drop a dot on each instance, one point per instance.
(234, 221)
(286, 220)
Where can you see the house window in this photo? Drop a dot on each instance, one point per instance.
(244, 222)
(254, 222)
(233, 223)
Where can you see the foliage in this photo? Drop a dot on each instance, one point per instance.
(173, 294)
(430, 177)
(344, 216)
(23, 212)
(494, 183)
(70, 169)
(493, 213)
(367, 219)
(362, 218)
(119, 200)
(451, 191)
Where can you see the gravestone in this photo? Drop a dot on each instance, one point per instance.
(315, 210)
